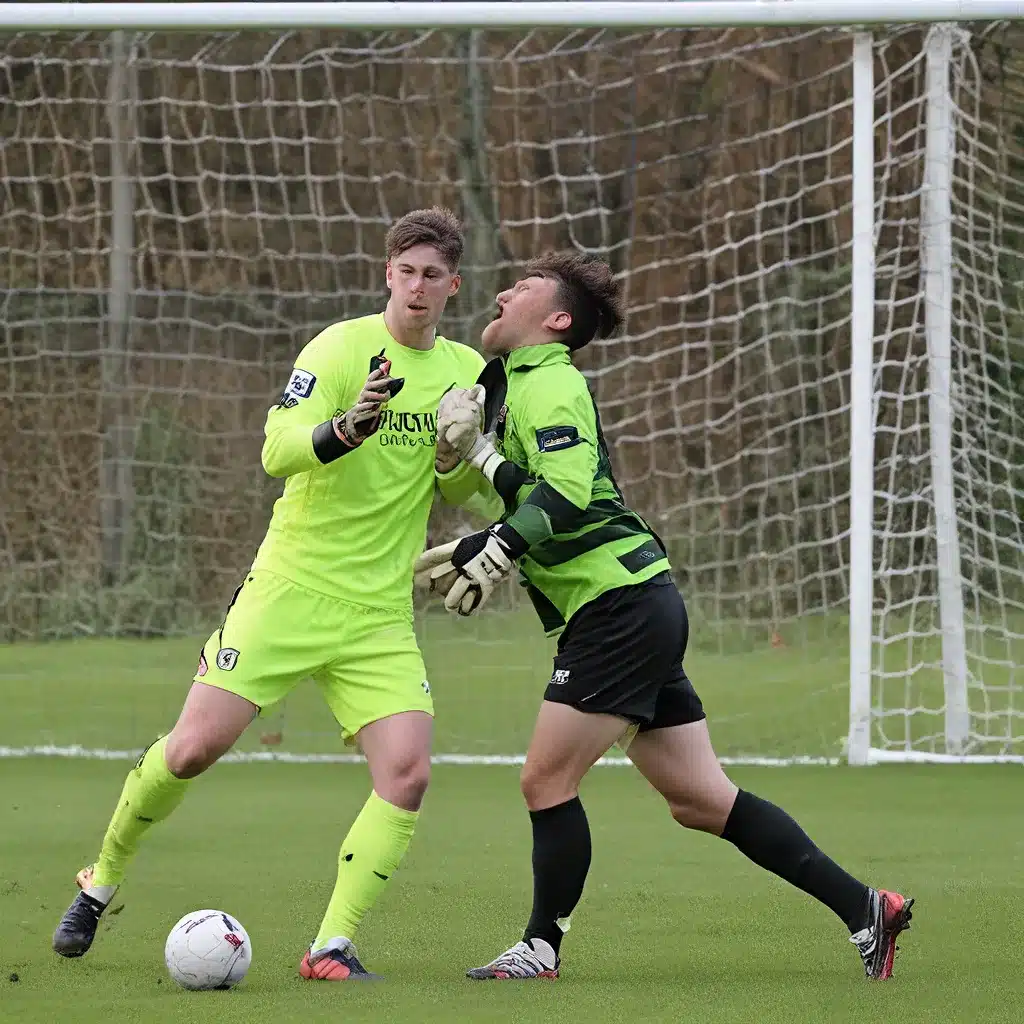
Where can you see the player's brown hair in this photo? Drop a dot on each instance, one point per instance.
(587, 291)
(437, 226)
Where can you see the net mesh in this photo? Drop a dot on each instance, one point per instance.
(255, 175)
(987, 400)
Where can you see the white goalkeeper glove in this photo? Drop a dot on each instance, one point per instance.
(466, 571)
(434, 569)
(460, 418)
(455, 404)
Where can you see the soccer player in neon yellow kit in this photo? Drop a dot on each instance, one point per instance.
(329, 594)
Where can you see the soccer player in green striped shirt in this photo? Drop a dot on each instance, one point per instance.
(329, 594)
(600, 580)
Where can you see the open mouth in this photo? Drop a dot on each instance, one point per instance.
(417, 308)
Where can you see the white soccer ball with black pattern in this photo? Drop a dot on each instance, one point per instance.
(207, 949)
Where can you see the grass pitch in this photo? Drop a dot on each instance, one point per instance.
(673, 926)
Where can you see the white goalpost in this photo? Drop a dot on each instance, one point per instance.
(817, 212)
(395, 14)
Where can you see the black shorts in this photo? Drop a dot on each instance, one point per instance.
(622, 654)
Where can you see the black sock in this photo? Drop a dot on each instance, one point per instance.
(561, 860)
(774, 841)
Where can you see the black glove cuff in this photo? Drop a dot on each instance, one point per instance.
(515, 544)
(469, 547)
(327, 446)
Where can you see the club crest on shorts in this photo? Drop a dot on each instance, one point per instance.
(426, 686)
(227, 659)
(561, 677)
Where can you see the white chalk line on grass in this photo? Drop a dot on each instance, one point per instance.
(284, 757)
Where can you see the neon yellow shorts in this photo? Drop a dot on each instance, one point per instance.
(365, 661)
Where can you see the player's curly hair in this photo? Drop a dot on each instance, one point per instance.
(437, 226)
(587, 292)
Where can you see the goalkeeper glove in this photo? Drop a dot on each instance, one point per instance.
(434, 570)
(466, 571)
(457, 405)
(460, 415)
(459, 420)
(357, 423)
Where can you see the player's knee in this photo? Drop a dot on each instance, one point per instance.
(405, 782)
(189, 756)
(689, 815)
(530, 784)
(541, 788)
(704, 812)
(413, 787)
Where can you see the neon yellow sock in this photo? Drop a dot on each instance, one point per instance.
(150, 793)
(369, 856)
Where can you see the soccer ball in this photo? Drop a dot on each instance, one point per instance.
(207, 949)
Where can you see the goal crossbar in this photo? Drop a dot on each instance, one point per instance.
(462, 14)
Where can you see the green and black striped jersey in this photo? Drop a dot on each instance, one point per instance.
(583, 539)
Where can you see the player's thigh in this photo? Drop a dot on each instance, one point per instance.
(210, 723)
(680, 763)
(268, 640)
(378, 671)
(565, 745)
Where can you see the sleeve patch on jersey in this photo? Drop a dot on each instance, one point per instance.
(300, 384)
(556, 439)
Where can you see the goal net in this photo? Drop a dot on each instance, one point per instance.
(180, 213)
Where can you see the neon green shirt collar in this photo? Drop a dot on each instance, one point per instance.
(537, 355)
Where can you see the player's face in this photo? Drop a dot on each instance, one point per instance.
(420, 284)
(526, 311)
